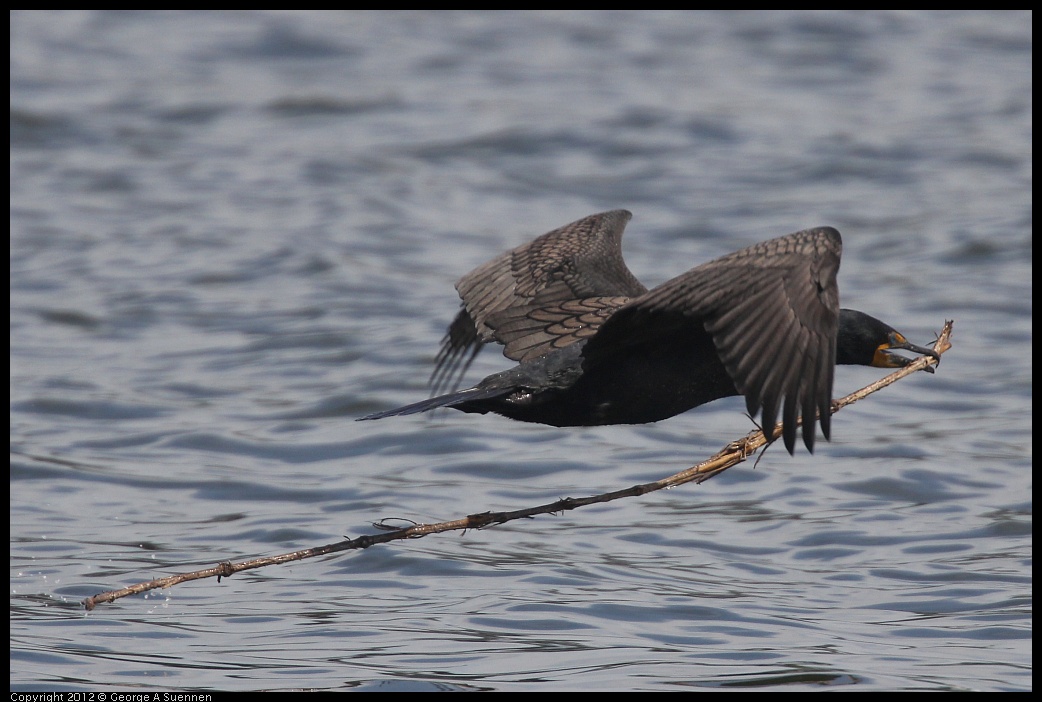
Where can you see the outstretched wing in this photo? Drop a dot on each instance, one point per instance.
(577, 261)
(772, 311)
(533, 330)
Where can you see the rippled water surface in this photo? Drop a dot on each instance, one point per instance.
(234, 233)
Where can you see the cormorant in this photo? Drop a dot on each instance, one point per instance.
(595, 346)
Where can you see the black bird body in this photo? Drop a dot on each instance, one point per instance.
(563, 389)
(596, 347)
(567, 388)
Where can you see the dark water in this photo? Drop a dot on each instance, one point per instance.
(233, 233)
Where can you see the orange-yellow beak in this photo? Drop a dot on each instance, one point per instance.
(885, 356)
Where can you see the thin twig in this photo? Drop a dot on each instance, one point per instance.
(734, 453)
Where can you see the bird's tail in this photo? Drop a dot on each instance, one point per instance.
(453, 399)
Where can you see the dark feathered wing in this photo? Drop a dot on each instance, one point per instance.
(540, 295)
(773, 312)
(533, 330)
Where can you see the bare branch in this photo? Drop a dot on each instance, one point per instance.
(734, 453)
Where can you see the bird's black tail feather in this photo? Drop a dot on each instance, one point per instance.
(451, 400)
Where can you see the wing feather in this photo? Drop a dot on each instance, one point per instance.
(577, 261)
(772, 310)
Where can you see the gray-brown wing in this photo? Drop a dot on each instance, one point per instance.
(534, 330)
(579, 260)
(772, 311)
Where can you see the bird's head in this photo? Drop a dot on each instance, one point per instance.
(863, 340)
